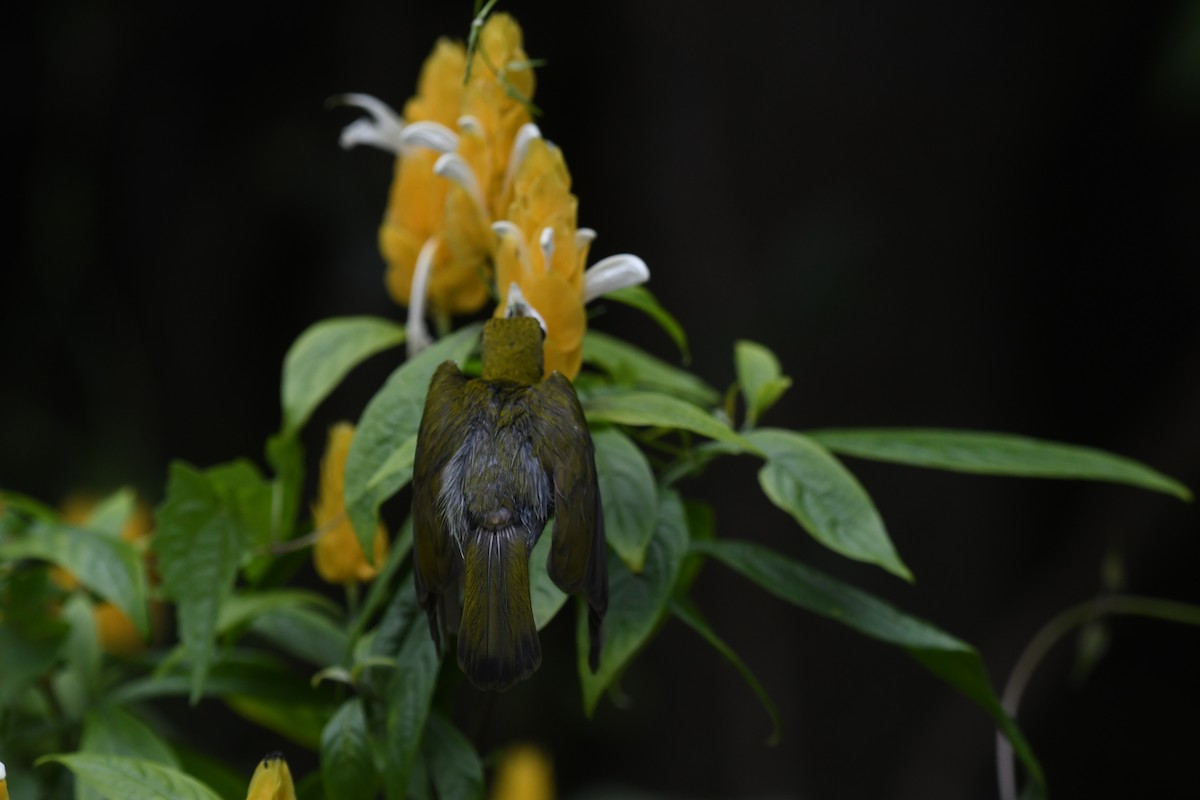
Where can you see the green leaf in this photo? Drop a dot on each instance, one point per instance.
(298, 722)
(322, 355)
(661, 411)
(383, 583)
(637, 603)
(761, 381)
(120, 778)
(627, 495)
(28, 656)
(995, 454)
(229, 783)
(803, 479)
(952, 660)
(643, 300)
(547, 598)
(285, 454)
(347, 766)
(305, 634)
(82, 647)
(409, 692)
(453, 763)
(111, 514)
(688, 614)
(201, 533)
(109, 567)
(390, 419)
(632, 367)
(242, 608)
(114, 731)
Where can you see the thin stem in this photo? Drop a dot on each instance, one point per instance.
(1058, 627)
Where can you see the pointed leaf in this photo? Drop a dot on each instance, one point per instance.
(627, 495)
(111, 514)
(390, 419)
(107, 566)
(632, 367)
(952, 660)
(452, 761)
(347, 766)
(114, 731)
(636, 603)
(199, 541)
(995, 454)
(761, 381)
(688, 614)
(643, 300)
(803, 479)
(121, 778)
(661, 411)
(322, 355)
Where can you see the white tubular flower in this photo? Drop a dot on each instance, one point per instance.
(425, 133)
(417, 335)
(612, 273)
(382, 128)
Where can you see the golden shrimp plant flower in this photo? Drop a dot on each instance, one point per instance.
(272, 780)
(337, 552)
(478, 196)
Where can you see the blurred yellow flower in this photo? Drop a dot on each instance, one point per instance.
(338, 555)
(272, 780)
(524, 773)
(114, 629)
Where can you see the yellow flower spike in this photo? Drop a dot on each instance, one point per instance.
(272, 780)
(524, 773)
(337, 554)
(440, 86)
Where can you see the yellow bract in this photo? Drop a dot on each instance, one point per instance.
(338, 555)
(272, 780)
(543, 210)
(424, 206)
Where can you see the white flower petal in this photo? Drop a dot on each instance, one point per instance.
(470, 124)
(433, 135)
(455, 168)
(417, 333)
(517, 306)
(382, 130)
(525, 135)
(3, 774)
(546, 242)
(612, 273)
(584, 237)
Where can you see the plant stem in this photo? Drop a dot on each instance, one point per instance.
(1058, 627)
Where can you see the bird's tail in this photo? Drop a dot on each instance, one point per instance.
(497, 639)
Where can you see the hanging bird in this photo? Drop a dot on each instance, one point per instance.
(496, 457)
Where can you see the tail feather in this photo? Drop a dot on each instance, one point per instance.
(497, 639)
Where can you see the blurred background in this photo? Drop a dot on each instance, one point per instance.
(978, 215)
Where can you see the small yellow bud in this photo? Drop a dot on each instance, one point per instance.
(272, 780)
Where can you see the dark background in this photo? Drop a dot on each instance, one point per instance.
(974, 214)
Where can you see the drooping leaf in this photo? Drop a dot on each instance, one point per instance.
(202, 529)
(951, 659)
(627, 495)
(803, 479)
(323, 355)
(390, 419)
(759, 377)
(687, 613)
(108, 566)
(243, 607)
(643, 300)
(452, 761)
(122, 778)
(637, 603)
(628, 366)
(995, 454)
(304, 633)
(347, 765)
(661, 411)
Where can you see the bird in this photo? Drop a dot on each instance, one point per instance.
(496, 457)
